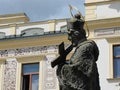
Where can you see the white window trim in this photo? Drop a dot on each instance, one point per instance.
(112, 41)
(29, 59)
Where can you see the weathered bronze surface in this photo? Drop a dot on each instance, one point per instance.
(80, 72)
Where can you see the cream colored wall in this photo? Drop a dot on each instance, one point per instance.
(90, 13)
(13, 18)
(51, 25)
(95, 1)
(99, 9)
(13, 29)
(31, 42)
(59, 24)
(102, 24)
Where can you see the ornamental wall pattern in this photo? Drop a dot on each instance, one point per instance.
(28, 51)
(10, 65)
(49, 74)
(9, 75)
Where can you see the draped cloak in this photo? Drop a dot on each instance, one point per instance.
(81, 72)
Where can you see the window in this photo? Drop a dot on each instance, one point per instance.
(2, 35)
(116, 61)
(63, 28)
(32, 32)
(30, 75)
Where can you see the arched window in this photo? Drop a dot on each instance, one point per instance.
(32, 32)
(2, 35)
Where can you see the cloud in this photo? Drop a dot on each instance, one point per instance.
(38, 10)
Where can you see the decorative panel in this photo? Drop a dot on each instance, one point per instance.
(10, 69)
(107, 32)
(28, 51)
(49, 74)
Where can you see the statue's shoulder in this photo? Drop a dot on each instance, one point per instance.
(87, 43)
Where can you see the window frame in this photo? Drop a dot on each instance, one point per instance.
(118, 57)
(24, 33)
(26, 60)
(30, 75)
(111, 42)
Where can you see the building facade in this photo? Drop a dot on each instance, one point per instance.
(103, 19)
(26, 51)
(27, 48)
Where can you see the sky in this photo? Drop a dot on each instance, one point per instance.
(40, 10)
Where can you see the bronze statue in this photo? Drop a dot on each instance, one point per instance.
(80, 72)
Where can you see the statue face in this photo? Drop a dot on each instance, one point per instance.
(73, 36)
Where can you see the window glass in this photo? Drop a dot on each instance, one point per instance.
(26, 80)
(116, 61)
(116, 51)
(30, 76)
(30, 68)
(116, 68)
(35, 82)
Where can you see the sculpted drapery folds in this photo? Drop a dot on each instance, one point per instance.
(80, 72)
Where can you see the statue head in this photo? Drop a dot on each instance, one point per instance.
(76, 30)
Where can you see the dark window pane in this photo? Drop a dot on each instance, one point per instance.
(35, 80)
(116, 50)
(30, 68)
(26, 80)
(116, 68)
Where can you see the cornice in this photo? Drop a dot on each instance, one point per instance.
(103, 20)
(99, 2)
(35, 23)
(113, 40)
(103, 23)
(35, 58)
(33, 41)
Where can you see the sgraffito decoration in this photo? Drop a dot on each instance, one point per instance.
(49, 75)
(10, 69)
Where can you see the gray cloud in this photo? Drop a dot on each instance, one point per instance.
(38, 10)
